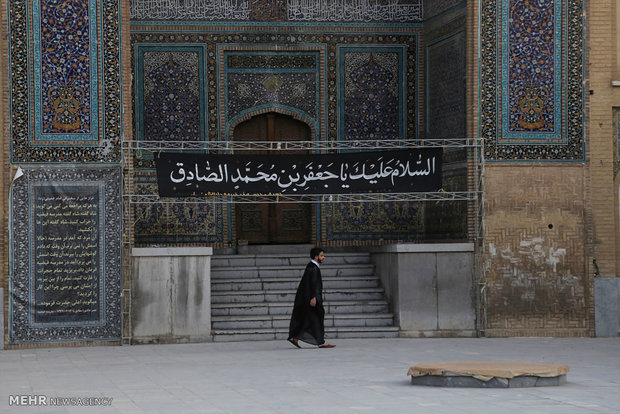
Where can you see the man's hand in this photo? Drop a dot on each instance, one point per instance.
(313, 302)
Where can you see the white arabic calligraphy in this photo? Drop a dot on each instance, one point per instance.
(392, 169)
(354, 10)
(297, 10)
(190, 9)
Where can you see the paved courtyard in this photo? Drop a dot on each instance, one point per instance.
(358, 376)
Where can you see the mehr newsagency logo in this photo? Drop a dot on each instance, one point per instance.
(30, 400)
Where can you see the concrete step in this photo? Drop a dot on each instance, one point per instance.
(267, 334)
(275, 249)
(284, 283)
(282, 308)
(288, 295)
(252, 295)
(233, 260)
(241, 272)
(282, 321)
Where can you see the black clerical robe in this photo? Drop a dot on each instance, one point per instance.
(307, 322)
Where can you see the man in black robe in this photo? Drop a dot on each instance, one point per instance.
(307, 320)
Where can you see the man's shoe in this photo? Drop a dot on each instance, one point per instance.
(294, 341)
(326, 345)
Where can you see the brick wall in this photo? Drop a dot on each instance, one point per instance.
(535, 217)
(603, 97)
(547, 222)
(600, 149)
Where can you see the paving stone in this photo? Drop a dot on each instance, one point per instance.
(359, 375)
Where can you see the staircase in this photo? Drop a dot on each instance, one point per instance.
(252, 296)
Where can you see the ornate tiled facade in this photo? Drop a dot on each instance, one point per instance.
(531, 80)
(248, 72)
(65, 81)
(179, 223)
(65, 216)
(172, 96)
(295, 39)
(286, 79)
(350, 70)
(67, 106)
(372, 93)
(531, 72)
(372, 221)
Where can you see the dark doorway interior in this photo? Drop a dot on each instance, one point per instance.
(273, 223)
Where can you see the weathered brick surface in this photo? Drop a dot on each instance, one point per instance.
(540, 277)
(536, 271)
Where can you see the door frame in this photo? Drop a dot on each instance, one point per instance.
(271, 208)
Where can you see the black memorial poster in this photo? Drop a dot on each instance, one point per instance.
(65, 269)
(402, 171)
(66, 254)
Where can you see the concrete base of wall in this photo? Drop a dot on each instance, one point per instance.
(1, 318)
(171, 295)
(607, 306)
(429, 287)
(438, 333)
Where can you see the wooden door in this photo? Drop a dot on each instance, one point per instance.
(272, 223)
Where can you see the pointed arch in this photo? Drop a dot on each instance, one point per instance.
(279, 109)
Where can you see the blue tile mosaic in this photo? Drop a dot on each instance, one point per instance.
(65, 81)
(170, 93)
(372, 93)
(288, 80)
(182, 223)
(531, 71)
(532, 99)
(374, 221)
(65, 70)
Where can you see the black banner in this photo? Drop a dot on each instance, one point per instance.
(403, 171)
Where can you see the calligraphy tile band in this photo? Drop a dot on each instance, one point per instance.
(279, 10)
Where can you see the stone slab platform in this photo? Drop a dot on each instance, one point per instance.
(488, 374)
